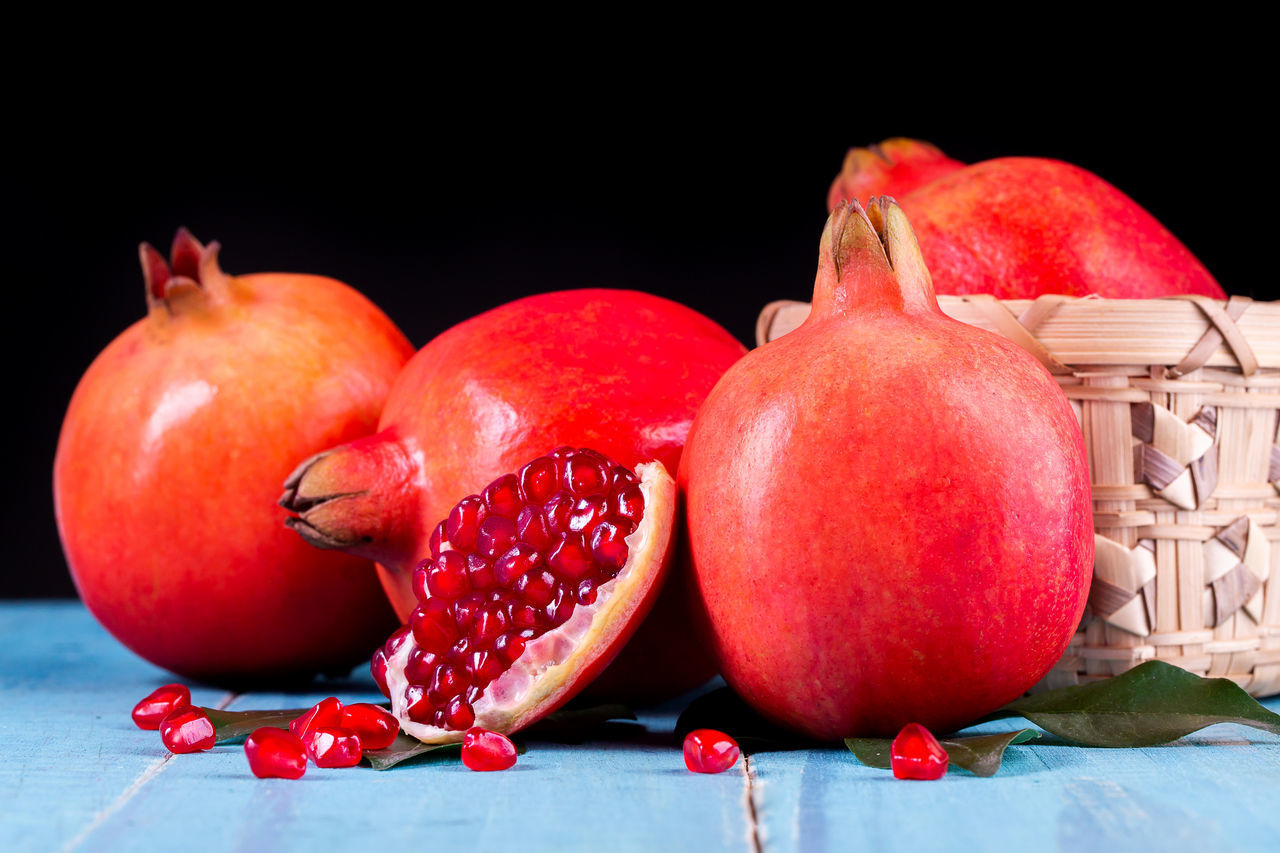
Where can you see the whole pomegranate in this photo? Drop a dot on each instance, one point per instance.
(888, 511)
(1019, 227)
(172, 452)
(619, 371)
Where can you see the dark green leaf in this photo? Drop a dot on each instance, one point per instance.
(981, 755)
(575, 725)
(1153, 703)
(725, 711)
(405, 748)
(233, 726)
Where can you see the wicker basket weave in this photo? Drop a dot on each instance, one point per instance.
(1178, 399)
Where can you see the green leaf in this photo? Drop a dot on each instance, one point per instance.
(981, 755)
(404, 748)
(1153, 703)
(235, 726)
(575, 725)
(725, 711)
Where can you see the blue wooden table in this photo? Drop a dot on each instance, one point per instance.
(76, 774)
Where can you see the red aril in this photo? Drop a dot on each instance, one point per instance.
(916, 754)
(275, 754)
(376, 727)
(331, 746)
(171, 454)
(160, 703)
(710, 751)
(619, 371)
(326, 712)
(529, 593)
(187, 730)
(484, 750)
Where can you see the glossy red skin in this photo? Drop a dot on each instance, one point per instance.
(485, 751)
(710, 751)
(170, 461)
(187, 730)
(275, 754)
(376, 727)
(330, 746)
(916, 754)
(894, 168)
(1020, 227)
(888, 511)
(621, 372)
(158, 704)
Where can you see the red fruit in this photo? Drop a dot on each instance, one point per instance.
(333, 747)
(196, 413)
(326, 712)
(159, 704)
(1018, 227)
(187, 730)
(275, 754)
(916, 754)
(376, 727)
(888, 510)
(484, 750)
(709, 751)
(619, 371)
(894, 168)
(543, 628)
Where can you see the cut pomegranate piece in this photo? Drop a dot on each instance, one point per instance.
(533, 586)
(710, 751)
(331, 746)
(326, 712)
(187, 730)
(916, 754)
(375, 726)
(485, 750)
(275, 753)
(159, 704)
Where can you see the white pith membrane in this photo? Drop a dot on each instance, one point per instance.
(550, 664)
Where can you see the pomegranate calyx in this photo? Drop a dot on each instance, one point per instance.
(191, 267)
(360, 497)
(869, 261)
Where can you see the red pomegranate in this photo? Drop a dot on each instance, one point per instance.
(888, 510)
(618, 371)
(532, 587)
(196, 413)
(1019, 227)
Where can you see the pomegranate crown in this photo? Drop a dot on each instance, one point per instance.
(191, 264)
(869, 259)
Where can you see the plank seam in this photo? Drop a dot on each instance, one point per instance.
(153, 770)
(753, 822)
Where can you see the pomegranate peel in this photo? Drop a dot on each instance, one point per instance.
(555, 665)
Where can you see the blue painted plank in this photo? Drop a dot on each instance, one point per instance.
(80, 776)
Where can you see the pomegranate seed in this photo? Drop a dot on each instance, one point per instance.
(187, 730)
(458, 715)
(375, 726)
(485, 750)
(326, 712)
(709, 751)
(158, 704)
(275, 754)
(378, 669)
(538, 480)
(437, 536)
(464, 522)
(509, 565)
(496, 535)
(916, 754)
(586, 473)
(446, 576)
(502, 496)
(333, 746)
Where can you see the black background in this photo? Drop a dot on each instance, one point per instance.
(439, 200)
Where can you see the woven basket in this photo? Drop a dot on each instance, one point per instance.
(1178, 400)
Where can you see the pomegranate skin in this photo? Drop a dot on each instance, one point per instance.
(894, 168)
(622, 372)
(170, 459)
(888, 511)
(1019, 227)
